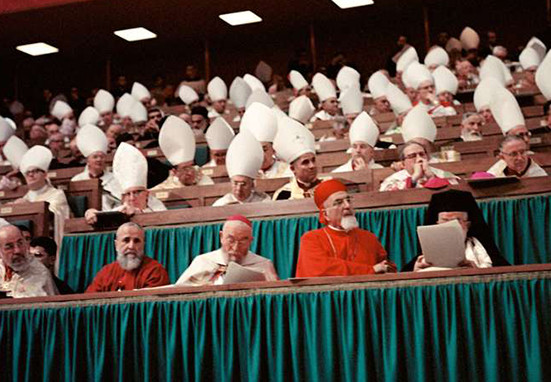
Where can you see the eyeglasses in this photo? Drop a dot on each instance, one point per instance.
(34, 171)
(525, 134)
(514, 154)
(134, 193)
(420, 154)
(240, 242)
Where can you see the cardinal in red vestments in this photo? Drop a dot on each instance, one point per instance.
(340, 248)
(132, 270)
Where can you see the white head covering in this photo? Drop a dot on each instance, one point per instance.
(352, 101)
(297, 80)
(138, 112)
(418, 124)
(484, 93)
(263, 72)
(348, 77)
(219, 134)
(244, 156)
(492, 67)
(61, 109)
(187, 94)
(177, 141)
(89, 116)
(36, 157)
(377, 84)
(104, 101)
(217, 89)
(453, 44)
(536, 44)
(239, 92)
(254, 82)
(260, 96)
(140, 92)
(437, 56)
(445, 80)
(543, 77)
(398, 100)
(506, 110)
(293, 140)
(301, 109)
(323, 87)
(409, 56)
(130, 167)
(469, 38)
(417, 73)
(124, 105)
(529, 58)
(6, 129)
(260, 121)
(14, 149)
(364, 129)
(91, 139)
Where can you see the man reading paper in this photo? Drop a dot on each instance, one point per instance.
(480, 249)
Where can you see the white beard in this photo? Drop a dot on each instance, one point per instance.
(469, 136)
(20, 266)
(129, 262)
(349, 222)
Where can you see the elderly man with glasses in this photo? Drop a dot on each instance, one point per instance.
(514, 160)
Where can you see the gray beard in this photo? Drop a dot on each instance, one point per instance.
(349, 222)
(128, 262)
(20, 266)
(469, 136)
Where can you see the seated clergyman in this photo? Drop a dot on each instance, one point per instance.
(132, 269)
(480, 249)
(514, 160)
(236, 238)
(21, 275)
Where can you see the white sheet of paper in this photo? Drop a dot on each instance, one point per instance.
(443, 244)
(236, 273)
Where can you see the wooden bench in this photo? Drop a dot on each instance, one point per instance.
(37, 213)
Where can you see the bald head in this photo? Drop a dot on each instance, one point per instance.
(13, 248)
(236, 238)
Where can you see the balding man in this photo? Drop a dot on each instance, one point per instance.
(514, 160)
(21, 275)
(236, 238)
(132, 269)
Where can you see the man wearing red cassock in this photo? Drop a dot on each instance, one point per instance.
(132, 270)
(340, 248)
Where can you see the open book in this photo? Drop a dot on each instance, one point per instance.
(443, 244)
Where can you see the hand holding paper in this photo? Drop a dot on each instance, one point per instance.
(443, 245)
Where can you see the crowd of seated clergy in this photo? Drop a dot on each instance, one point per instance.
(271, 142)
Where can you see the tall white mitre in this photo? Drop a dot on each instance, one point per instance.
(124, 105)
(469, 39)
(348, 77)
(6, 129)
(89, 116)
(253, 82)
(219, 134)
(91, 139)
(377, 84)
(436, 56)
(418, 124)
(140, 92)
(323, 87)
(37, 157)
(13, 150)
(506, 110)
(104, 101)
(260, 121)
(399, 101)
(244, 156)
(129, 167)
(297, 80)
(484, 93)
(406, 58)
(177, 141)
(417, 73)
(364, 129)
(217, 89)
(301, 109)
(352, 101)
(529, 58)
(138, 113)
(293, 140)
(445, 80)
(260, 96)
(187, 94)
(543, 77)
(61, 109)
(240, 92)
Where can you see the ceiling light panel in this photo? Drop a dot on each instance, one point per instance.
(135, 34)
(37, 49)
(344, 4)
(240, 18)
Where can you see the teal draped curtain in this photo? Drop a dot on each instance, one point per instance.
(521, 228)
(462, 331)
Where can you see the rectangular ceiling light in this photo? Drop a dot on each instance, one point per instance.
(135, 34)
(240, 18)
(344, 4)
(37, 49)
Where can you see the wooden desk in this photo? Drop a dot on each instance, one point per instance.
(36, 212)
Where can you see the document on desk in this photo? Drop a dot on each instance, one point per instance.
(443, 244)
(236, 273)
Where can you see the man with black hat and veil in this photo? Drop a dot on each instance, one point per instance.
(480, 249)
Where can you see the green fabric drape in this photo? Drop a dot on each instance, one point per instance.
(521, 228)
(481, 331)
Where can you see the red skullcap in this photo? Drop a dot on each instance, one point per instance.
(325, 190)
(240, 218)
